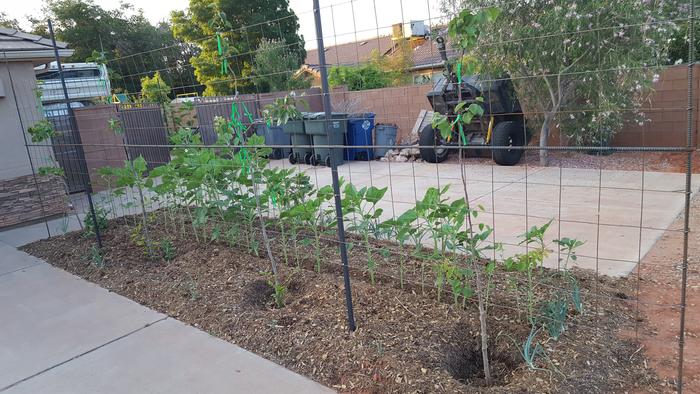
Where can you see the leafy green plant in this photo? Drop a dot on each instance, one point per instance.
(278, 288)
(115, 124)
(311, 215)
(96, 257)
(403, 229)
(89, 224)
(284, 109)
(360, 206)
(167, 249)
(41, 131)
(464, 114)
(154, 89)
(362, 77)
(132, 175)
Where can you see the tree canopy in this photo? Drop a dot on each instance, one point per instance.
(584, 65)
(275, 67)
(99, 34)
(238, 27)
(6, 21)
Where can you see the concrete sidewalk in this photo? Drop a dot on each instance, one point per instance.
(62, 334)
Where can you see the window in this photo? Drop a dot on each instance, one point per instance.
(71, 74)
(423, 78)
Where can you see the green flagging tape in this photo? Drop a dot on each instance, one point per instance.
(459, 72)
(220, 48)
(237, 126)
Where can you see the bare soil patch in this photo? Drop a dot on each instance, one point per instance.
(660, 284)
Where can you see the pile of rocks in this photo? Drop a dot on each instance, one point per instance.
(409, 154)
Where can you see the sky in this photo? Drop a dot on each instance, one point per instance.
(338, 23)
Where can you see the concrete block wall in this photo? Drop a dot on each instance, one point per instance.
(396, 105)
(666, 110)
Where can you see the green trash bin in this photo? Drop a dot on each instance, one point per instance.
(301, 142)
(315, 126)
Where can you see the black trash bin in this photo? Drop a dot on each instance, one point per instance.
(315, 127)
(274, 135)
(301, 142)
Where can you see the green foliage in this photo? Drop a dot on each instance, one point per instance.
(89, 223)
(360, 209)
(275, 67)
(88, 27)
(278, 288)
(583, 64)
(203, 19)
(167, 249)
(96, 258)
(154, 89)
(8, 22)
(464, 112)
(41, 131)
(678, 47)
(284, 109)
(57, 171)
(362, 77)
(115, 124)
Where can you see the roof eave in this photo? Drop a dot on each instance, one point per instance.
(34, 55)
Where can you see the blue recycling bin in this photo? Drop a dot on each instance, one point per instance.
(360, 128)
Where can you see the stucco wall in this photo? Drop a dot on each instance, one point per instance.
(13, 155)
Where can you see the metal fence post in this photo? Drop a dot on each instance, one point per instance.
(688, 187)
(334, 166)
(74, 126)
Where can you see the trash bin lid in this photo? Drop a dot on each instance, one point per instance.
(321, 115)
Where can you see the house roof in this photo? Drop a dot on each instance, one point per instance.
(17, 45)
(425, 54)
(351, 53)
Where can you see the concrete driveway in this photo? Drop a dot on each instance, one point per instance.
(618, 214)
(62, 334)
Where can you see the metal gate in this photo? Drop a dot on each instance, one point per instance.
(67, 149)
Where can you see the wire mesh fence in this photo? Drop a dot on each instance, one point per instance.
(413, 172)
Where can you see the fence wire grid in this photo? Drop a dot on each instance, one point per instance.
(434, 216)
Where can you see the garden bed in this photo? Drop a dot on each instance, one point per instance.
(406, 340)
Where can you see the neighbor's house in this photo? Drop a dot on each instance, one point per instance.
(20, 108)
(425, 57)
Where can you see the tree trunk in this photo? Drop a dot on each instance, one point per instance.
(544, 137)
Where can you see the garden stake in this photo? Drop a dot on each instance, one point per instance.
(334, 167)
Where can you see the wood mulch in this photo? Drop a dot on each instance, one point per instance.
(406, 340)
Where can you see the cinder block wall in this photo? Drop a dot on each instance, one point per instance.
(666, 110)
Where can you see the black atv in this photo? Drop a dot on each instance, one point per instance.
(502, 124)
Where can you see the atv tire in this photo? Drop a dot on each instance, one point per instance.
(508, 133)
(429, 138)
